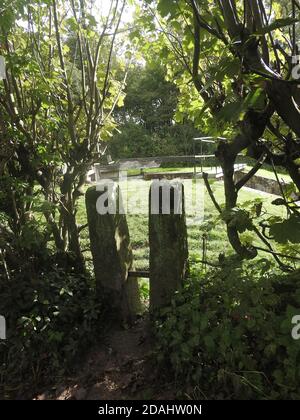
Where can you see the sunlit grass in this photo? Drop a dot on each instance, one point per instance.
(268, 173)
(208, 222)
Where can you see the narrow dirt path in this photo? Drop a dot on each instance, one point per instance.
(119, 369)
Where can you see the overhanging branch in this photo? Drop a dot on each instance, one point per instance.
(251, 173)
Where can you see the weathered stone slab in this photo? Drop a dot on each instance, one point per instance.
(111, 250)
(168, 242)
(267, 185)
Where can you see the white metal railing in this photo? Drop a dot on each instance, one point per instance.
(202, 156)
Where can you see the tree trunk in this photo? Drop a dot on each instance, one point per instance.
(252, 128)
(68, 215)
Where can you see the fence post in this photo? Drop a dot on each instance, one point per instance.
(168, 242)
(111, 251)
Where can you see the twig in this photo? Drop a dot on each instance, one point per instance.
(204, 251)
(82, 227)
(210, 192)
(278, 254)
(270, 250)
(211, 264)
(251, 173)
(5, 265)
(281, 188)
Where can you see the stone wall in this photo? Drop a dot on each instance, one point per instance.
(260, 183)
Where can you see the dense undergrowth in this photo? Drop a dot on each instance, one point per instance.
(228, 334)
(52, 316)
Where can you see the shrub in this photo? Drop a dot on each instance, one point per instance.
(229, 334)
(52, 317)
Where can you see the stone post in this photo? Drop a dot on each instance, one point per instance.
(111, 250)
(168, 242)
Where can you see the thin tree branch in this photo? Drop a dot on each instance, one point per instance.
(252, 172)
(210, 192)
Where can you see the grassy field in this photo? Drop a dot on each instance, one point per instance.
(265, 173)
(203, 219)
(136, 172)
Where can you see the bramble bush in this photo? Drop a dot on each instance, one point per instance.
(228, 335)
(52, 316)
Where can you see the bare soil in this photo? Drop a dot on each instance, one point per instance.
(120, 368)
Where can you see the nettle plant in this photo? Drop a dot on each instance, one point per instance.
(234, 63)
(57, 102)
(231, 335)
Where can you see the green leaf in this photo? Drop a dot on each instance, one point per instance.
(231, 112)
(287, 231)
(256, 100)
(167, 7)
(209, 343)
(238, 218)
